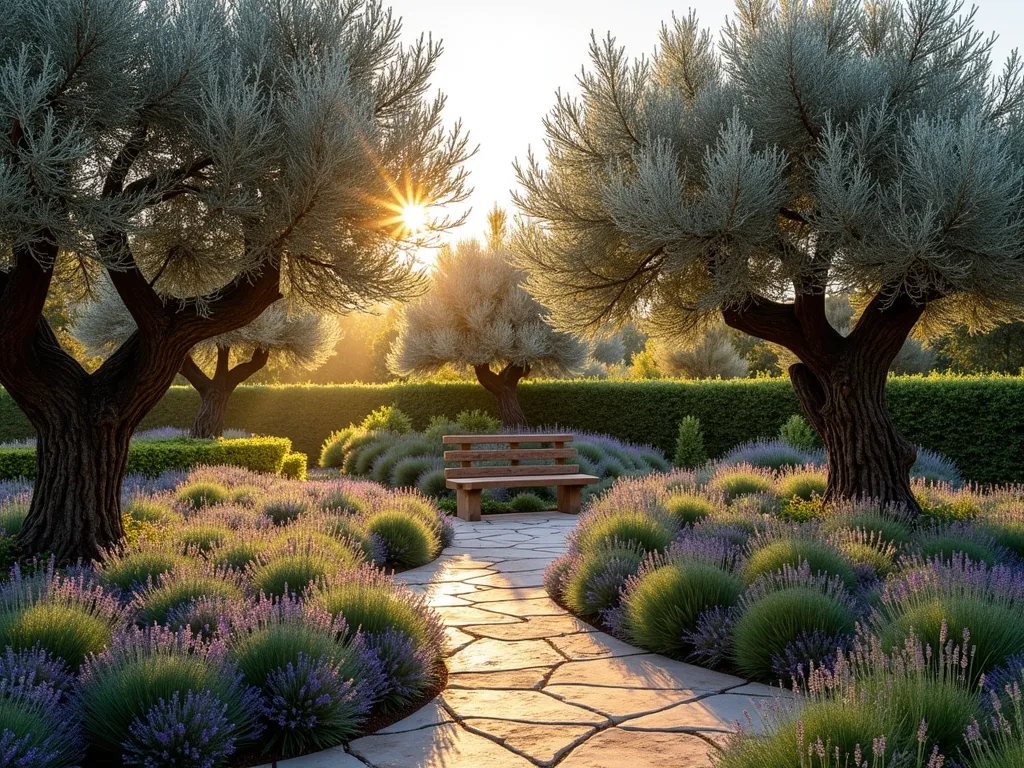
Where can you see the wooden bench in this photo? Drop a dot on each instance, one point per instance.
(468, 481)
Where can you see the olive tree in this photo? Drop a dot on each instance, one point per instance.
(713, 356)
(813, 148)
(477, 314)
(280, 338)
(208, 157)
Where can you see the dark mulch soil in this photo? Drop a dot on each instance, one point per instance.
(376, 721)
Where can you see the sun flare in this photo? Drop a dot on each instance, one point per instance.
(414, 217)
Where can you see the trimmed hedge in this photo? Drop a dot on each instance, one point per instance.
(151, 457)
(977, 421)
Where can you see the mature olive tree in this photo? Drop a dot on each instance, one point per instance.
(280, 338)
(852, 146)
(208, 157)
(477, 314)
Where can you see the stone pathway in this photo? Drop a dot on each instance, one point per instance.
(530, 685)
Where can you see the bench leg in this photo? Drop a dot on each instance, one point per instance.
(468, 505)
(570, 499)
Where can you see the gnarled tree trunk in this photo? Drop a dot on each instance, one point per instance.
(840, 383)
(503, 386)
(867, 457)
(215, 391)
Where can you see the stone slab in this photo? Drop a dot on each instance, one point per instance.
(498, 594)
(525, 679)
(443, 746)
(488, 655)
(537, 627)
(619, 703)
(714, 713)
(461, 616)
(593, 645)
(644, 671)
(539, 606)
(424, 717)
(523, 579)
(616, 748)
(335, 757)
(522, 706)
(541, 743)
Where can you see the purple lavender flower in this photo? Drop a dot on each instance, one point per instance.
(36, 729)
(407, 667)
(312, 704)
(711, 638)
(35, 667)
(193, 731)
(816, 649)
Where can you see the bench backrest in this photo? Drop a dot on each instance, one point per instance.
(514, 455)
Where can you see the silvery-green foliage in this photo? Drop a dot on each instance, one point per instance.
(609, 350)
(477, 312)
(713, 356)
(295, 338)
(859, 147)
(248, 133)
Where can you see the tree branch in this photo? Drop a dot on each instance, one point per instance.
(243, 371)
(194, 374)
(771, 321)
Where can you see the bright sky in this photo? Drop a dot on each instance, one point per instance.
(503, 62)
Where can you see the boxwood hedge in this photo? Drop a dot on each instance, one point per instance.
(151, 457)
(978, 421)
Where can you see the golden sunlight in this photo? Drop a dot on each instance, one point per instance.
(414, 217)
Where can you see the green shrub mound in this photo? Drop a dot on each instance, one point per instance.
(144, 510)
(822, 557)
(799, 434)
(659, 607)
(770, 623)
(181, 588)
(804, 485)
(690, 450)
(995, 631)
(408, 471)
(137, 566)
(12, 517)
(124, 684)
(294, 466)
(200, 536)
(947, 545)
(409, 542)
(624, 527)
(592, 583)
(199, 495)
(290, 573)
(888, 528)
(735, 482)
(528, 502)
(689, 508)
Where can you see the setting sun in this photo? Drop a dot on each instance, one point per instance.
(414, 217)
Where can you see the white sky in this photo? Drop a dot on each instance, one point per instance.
(504, 60)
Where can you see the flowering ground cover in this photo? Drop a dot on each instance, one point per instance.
(903, 637)
(249, 617)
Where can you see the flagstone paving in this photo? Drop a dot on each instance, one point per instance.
(529, 685)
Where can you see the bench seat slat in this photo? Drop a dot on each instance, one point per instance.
(522, 470)
(475, 483)
(502, 439)
(515, 454)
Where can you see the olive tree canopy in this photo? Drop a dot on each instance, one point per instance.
(210, 157)
(815, 147)
(477, 314)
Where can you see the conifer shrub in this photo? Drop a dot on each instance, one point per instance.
(690, 450)
(799, 434)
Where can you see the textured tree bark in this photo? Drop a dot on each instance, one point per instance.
(213, 406)
(76, 505)
(867, 457)
(503, 386)
(840, 383)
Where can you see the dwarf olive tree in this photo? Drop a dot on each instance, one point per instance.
(208, 157)
(816, 147)
(477, 314)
